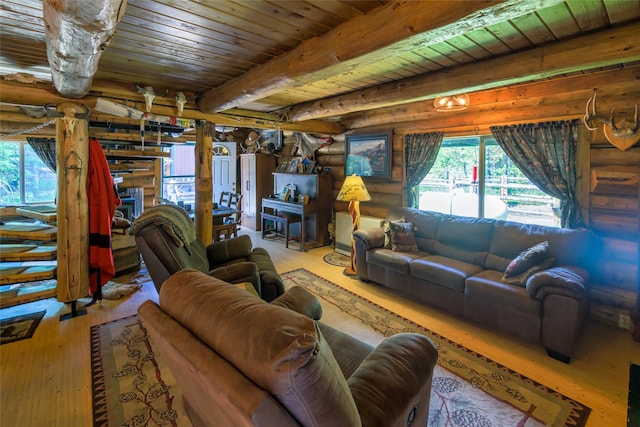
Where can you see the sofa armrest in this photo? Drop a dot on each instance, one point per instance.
(237, 273)
(392, 386)
(370, 237)
(301, 301)
(563, 280)
(229, 249)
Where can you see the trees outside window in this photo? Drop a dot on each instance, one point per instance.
(24, 178)
(472, 176)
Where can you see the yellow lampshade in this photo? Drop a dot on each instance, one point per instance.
(353, 190)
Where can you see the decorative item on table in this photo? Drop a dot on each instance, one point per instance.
(353, 191)
(283, 167)
(309, 165)
(284, 193)
(292, 191)
(293, 166)
(303, 199)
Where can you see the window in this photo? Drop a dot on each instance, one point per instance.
(472, 176)
(178, 175)
(24, 178)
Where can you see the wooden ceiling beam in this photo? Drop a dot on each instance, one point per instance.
(608, 83)
(76, 34)
(385, 32)
(591, 51)
(39, 94)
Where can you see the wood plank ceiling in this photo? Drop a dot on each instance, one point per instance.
(214, 48)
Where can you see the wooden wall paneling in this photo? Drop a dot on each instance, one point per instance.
(615, 217)
(611, 156)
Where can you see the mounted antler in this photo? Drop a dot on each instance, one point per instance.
(622, 135)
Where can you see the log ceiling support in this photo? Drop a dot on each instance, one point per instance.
(556, 99)
(587, 52)
(72, 159)
(204, 181)
(40, 94)
(76, 33)
(385, 32)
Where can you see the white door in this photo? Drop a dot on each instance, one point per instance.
(223, 168)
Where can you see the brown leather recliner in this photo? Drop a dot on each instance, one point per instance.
(167, 241)
(252, 363)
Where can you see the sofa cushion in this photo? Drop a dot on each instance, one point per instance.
(396, 261)
(465, 239)
(229, 249)
(486, 286)
(387, 231)
(402, 237)
(280, 350)
(444, 271)
(520, 279)
(567, 246)
(425, 225)
(527, 259)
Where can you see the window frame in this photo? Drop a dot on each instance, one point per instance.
(482, 142)
(22, 181)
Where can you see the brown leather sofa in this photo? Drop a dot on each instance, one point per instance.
(459, 266)
(166, 239)
(241, 361)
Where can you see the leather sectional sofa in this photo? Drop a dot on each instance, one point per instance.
(459, 265)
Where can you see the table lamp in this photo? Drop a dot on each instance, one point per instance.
(354, 192)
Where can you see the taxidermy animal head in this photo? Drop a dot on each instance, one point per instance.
(622, 134)
(181, 99)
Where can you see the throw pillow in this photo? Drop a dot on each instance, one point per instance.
(527, 259)
(387, 232)
(520, 279)
(402, 237)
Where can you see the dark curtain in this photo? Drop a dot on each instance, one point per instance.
(45, 148)
(421, 150)
(546, 154)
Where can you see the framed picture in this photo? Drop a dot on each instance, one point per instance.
(293, 166)
(274, 137)
(283, 167)
(369, 155)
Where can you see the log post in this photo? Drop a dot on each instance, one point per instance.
(72, 159)
(204, 181)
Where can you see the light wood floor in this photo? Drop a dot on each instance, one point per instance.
(45, 380)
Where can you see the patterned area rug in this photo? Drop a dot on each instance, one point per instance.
(335, 258)
(132, 385)
(19, 327)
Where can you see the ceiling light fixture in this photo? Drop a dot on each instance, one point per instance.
(452, 103)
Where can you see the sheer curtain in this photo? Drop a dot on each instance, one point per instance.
(45, 148)
(421, 150)
(546, 154)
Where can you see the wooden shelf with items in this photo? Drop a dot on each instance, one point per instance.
(28, 253)
(20, 252)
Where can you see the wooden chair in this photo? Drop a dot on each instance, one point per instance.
(229, 228)
(225, 198)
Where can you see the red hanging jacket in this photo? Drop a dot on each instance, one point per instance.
(103, 200)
